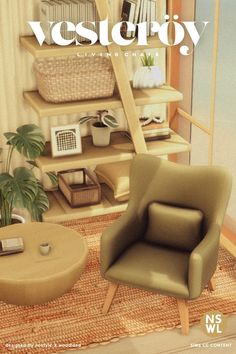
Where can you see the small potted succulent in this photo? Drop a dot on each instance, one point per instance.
(19, 188)
(101, 127)
(149, 75)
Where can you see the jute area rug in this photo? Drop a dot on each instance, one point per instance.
(75, 319)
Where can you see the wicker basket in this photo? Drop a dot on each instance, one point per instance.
(72, 78)
(79, 187)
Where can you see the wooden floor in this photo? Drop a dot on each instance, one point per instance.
(228, 241)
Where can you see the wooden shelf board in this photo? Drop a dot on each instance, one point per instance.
(91, 155)
(164, 94)
(61, 211)
(173, 145)
(121, 149)
(31, 44)
(46, 109)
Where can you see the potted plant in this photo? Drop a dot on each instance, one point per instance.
(101, 128)
(149, 75)
(19, 188)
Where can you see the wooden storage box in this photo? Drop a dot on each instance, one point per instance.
(79, 187)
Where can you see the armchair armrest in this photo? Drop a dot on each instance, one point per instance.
(203, 261)
(118, 237)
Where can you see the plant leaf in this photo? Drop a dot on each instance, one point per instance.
(53, 178)
(110, 121)
(20, 189)
(28, 140)
(86, 119)
(32, 163)
(39, 205)
(148, 60)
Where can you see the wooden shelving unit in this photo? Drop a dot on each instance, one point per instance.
(165, 94)
(121, 148)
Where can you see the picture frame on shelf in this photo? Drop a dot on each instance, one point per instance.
(66, 140)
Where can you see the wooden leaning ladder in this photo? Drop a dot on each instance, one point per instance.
(123, 83)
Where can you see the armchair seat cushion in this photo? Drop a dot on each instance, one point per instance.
(154, 268)
(180, 228)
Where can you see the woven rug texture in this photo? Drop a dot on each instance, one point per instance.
(75, 318)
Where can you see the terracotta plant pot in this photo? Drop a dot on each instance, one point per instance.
(101, 135)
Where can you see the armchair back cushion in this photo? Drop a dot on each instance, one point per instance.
(172, 226)
(205, 188)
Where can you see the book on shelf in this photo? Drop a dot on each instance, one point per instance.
(82, 9)
(74, 10)
(11, 245)
(137, 11)
(148, 14)
(58, 13)
(153, 128)
(140, 11)
(46, 14)
(127, 15)
(148, 17)
(136, 15)
(67, 6)
(90, 15)
(153, 13)
(154, 136)
(144, 12)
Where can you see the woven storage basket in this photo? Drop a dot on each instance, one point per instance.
(72, 78)
(79, 191)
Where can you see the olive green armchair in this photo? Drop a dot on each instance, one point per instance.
(168, 239)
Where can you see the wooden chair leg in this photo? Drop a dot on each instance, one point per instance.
(184, 316)
(109, 297)
(212, 284)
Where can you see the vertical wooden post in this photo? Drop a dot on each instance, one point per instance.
(173, 57)
(186, 80)
(173, 64)
(214, 77)
(123, 83)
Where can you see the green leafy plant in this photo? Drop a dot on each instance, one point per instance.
(148, 60)
(19, 188)
(102, 119)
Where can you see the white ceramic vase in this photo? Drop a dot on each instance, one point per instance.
(100, 135)
(148, 77)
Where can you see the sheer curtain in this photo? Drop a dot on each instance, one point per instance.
(225, 122)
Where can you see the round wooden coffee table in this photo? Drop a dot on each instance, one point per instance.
(30, 278)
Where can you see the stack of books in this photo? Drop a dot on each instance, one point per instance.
(74, 11)
(137, 11)
(11, 246)
(153, 129)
